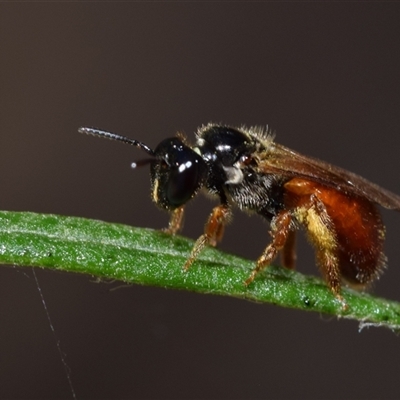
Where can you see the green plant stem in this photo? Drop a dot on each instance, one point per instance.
(148, 257)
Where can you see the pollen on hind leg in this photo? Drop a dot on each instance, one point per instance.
(323, 238)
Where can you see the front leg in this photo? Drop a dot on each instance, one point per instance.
(213, 232)
(176, 221)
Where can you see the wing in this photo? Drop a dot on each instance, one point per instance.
(285, 162)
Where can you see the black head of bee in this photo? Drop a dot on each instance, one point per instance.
(177, 171)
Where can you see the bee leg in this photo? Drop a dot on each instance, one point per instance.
(175, 222)
(280, 232)
(309, 210)
(288, 253)
(328, 262)
(321, 234)
(213, 232)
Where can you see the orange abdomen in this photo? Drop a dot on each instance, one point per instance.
(360, 235)
(355, 223)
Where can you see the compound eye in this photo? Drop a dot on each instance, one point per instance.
(184, 179)
(177, 174)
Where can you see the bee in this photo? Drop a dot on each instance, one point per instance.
(244, 167)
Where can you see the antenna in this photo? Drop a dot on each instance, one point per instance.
(113, 136)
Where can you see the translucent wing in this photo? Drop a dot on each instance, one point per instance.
(283, 161)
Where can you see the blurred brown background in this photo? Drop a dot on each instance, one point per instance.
(325, 76)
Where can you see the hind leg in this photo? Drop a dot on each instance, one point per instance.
(321, 233)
